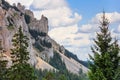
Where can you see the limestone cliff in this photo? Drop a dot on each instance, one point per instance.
(41, 46)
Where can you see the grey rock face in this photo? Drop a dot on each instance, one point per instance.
(11, 19)
(40, 26)
(43, 24)
(40, 44)
(21, 7)
(30, 14)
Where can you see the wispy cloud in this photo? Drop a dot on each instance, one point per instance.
(48, 4)
(113, 17)
(26, 3)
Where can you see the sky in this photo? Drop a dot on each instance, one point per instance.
(74, 23)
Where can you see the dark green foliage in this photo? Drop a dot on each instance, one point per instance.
(21, 72)
(58, 75)
(85, 63)
(27, 18)
(63, 73)
(117, 76)
(106, 60)
(62, 77)
(21, 69)
(10, 27)
(43, 74)
(49, 76)
(3, 69)
(15, 14)
(57, 62)
(71, 55)
(19, 53)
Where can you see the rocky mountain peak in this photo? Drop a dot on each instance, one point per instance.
(41, 46)
(20, 7)
(40, 26)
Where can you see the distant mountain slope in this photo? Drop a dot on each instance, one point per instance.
(73, 65)
(43, 65)
(71, 55)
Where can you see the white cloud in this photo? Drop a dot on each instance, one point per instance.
(26, 3)
(48, 4)
(81, 52)
(112, 17)
(89, 28)
(78, 43)
(57, 11)
(94, 24)
(62, 33)
(84, 41)
(117, 30)
(66, 36)
(61, 16)
(86, 27)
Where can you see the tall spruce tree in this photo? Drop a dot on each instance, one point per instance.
(21, 69)
(106, 60)
(3, 67)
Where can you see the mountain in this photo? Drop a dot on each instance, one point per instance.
(42, 48)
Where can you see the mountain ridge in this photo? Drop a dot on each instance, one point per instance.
(41, 46)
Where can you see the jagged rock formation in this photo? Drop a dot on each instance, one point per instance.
(41, 46)
(40, 26)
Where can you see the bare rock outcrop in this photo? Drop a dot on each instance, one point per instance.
(10, 20)
(40, 26)
(41, 46)
(21, 7)
(29, 14)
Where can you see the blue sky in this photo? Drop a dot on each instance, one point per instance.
(89, 8)
(74, 23)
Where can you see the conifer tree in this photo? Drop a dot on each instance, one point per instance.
(21, 69)
(105, 60)
(3, 67)
(117, 76)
